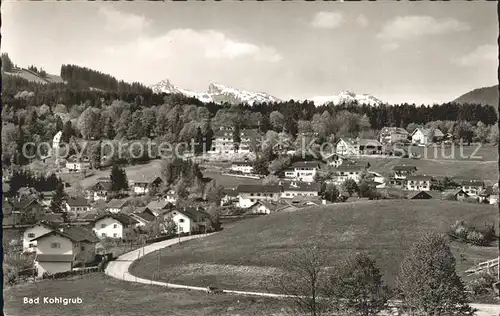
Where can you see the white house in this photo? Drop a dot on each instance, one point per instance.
(302, 171)
(344, 172)
(242, 166)
(116, 205)
(425, 136)
(141, 186)
(473, 187)
(334, 159)
(418, 183)
(77, 205)
(248, 136)
(230, 196)
(293, 189)
(62, 249)
(266, 207)
(223, 141)
(378, 179)
(99, 191)
(248, 194)
(77, 164)
(33, 232)
(188, 219)
(355, 147)
(171, 197)
(113, 225)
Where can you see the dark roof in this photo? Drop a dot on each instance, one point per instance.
(419, 194)
(426, 131)
(456, 191)
(301, 186)
(104, 179)
(419, 178)
(271, 205)
(101, 185)
(51, 221)
(397, 130)
(305, 164)
(193, 213)
(487, 191)
(230, 191)
(473, 183)
(158, 205)
(404, 168)
(257, 188)
(77, 201)
(147, 216)
(24, 203)
(74, 233)
(54, 258)
(122, 218)
(116, 203)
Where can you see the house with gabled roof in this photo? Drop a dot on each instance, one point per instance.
(159, 205)
(418, 183)
(296, 188)
(344, 172)
(229, 196)
(304, 171)
(188, 219)
(77, 204)
(425, 136)
(114, 225)
(116, 205)
(393, 135)
(64, 248)
(248, 194)
(36, 230)
(99, 191)
(266, 207)
(473, 187)
(141, 185)
(354, 147)
(143, 216)
(77, 164)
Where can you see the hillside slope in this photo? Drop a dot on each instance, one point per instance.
(486, 96)
(246, 254)
(34, 77)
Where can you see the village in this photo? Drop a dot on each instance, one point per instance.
(71, 238)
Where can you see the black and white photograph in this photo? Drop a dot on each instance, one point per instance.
(250, 158)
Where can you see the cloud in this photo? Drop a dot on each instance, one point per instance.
(406, 27)
(482, 54)
(362, 20)
(390, 46)
(118, 21)
(327, 20)
(193, 44)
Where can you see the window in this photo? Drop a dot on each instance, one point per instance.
(103, 235)
(31, 235)
(55, 245)
(82, 248)
(115, 235)
(103, 225)
(181, 220)
(115, 225)
(31, 246)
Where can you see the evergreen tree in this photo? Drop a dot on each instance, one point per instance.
(67, 132)
(7, 64)
(198, 147)
(56, 205)
(118, 179)
(209, 136)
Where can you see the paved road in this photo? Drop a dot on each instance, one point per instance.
(119, 270)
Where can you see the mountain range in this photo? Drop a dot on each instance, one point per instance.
(485, 95)
(219, 93)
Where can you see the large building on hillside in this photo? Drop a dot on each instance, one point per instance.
(354, 147)
(393, 135)
(223, 141)
(303, 171)
(426, 136)
(293, 189)
(418, 183)
(344, 172)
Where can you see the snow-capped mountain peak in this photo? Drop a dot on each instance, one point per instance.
(347, 97)
(217, 93)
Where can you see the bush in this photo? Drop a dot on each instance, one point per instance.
(475, 237)
(481, 284)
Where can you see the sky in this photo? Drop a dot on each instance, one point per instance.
(421, 52)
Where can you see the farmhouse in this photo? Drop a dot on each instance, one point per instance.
(39, 229)
(62, 249)
(473, 187)
(402, 171)
(418, 183)
(77, 164)
(459, 194)
(229, 196)
(143, 185)
(293, 189)
(248, 194)
(419, 195)
(116, 205)
(302, 171)
(393, 135)
(334, 159)
(77, 205)
(113, 225)
(242, 166)
(354, 147)
(10, 217)
(344, 172)
(188, 219)
(425, 136)
(28, 205)
(99, 191)
(46, 198)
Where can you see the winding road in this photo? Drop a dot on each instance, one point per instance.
(119, 269)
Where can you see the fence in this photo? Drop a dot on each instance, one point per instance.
(483, 266)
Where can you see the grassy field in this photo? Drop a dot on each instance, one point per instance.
(103, 296)
(245, 255)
